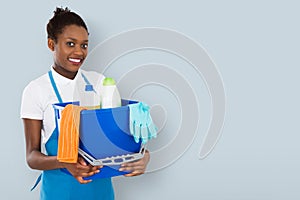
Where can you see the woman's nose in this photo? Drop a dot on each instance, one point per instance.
(78, 50)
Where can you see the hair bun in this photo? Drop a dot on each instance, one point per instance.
(63, 17)
(61, 10)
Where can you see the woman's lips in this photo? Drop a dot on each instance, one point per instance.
(75, 61)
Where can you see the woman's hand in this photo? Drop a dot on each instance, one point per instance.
(80, 170)
(40, 161)
(137, 167)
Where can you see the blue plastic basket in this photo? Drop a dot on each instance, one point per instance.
(104, 133)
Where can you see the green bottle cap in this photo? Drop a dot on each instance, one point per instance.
(109, 81)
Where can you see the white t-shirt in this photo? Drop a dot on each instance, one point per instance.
(39, 96)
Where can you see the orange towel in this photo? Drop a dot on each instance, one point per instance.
(68, 141)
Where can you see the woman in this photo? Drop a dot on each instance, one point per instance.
(68, 40)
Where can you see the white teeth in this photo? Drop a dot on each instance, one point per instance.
(74, 60)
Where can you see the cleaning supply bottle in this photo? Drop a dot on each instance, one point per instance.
(86, 95)
(110, 96)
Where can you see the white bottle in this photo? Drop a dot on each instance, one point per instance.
(110, 96)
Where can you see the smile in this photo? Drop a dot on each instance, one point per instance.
(75, 60)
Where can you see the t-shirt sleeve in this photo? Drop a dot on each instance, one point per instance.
(31, 107)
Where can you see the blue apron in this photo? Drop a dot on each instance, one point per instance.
(59, 185)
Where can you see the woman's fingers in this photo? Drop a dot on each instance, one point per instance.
(82, 181)
(133, 174)
(92, 171)
(81, 169)
(137, 167)
(81, 161)
(132, 166)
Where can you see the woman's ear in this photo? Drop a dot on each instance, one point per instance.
(51, 44)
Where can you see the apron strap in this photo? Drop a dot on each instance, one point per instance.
(54, 86)
(88, 86)
(60, 101)
(36, 182)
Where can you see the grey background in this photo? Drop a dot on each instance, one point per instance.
(255, 45)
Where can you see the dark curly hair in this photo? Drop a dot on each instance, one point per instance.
(62, 18)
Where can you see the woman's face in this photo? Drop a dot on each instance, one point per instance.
(70, 50)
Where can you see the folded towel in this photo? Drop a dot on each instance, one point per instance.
(68, 141)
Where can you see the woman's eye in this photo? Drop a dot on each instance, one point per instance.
(84, 46)
(70, 44)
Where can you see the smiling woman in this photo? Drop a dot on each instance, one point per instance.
(71, 49)
(68, 40)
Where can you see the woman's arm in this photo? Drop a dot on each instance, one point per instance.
(37, 160)
(34, 157)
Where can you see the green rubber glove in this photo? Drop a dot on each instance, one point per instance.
(141, 125)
